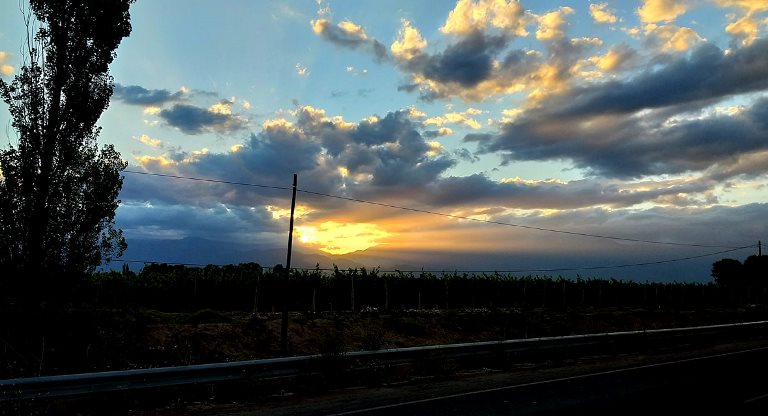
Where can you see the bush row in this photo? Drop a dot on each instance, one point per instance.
(249, 287)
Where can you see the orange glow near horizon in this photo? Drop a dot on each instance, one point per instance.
(339, 238)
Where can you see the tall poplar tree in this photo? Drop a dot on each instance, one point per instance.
(58, 189)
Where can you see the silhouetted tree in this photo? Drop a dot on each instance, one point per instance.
(58, 190)
(727, 271)
(756, 270)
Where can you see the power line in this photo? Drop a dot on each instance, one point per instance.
(284, 188)
(442, 214)
(560, 269)
(528, 227)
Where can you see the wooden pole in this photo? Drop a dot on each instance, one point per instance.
(284, 324)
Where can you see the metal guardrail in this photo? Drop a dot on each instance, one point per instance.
(110, 381)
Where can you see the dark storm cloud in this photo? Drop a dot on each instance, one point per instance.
(191, 119)
(206, 222)
(463, 64)
(468, 62)
(708, 73)
(599, 128)
(136, 95)
(352, 39)
(384, 159)
(462, 67)
(465, 155)
(619, 146)
(479, 190)
(388, 153)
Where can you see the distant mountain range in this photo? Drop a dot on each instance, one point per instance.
(198, 251)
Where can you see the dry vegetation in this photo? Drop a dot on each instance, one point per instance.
(104, 339)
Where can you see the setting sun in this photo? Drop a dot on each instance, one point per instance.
(337, 238)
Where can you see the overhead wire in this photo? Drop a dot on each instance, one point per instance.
(528, 227)
(191, 178)
(558, 269)
(442, 214)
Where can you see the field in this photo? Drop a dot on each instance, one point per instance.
(169, 315)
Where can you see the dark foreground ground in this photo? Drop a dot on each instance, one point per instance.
(99, 339)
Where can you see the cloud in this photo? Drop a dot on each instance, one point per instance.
(5, 69)
(191, 119)
(745, 25)
(551, 25)
(519, 194)
(380, 156)
(383, 159)
(672, 38)
(706, 74)
(746, 28)
(153, 220)
(650, 124)
(145, 139)
(442, 131)
(618, 58)
(136, 95)
(653, 11)
(480, 64)
(632, 145)
(748, 6)
(463, 117)
(409, 42)
(479, 60)
(349, 35)
(470, 16)
(464, 64)
(465, 155)
(601, 14)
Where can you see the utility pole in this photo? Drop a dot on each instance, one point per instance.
(284, 326)
(759, 248)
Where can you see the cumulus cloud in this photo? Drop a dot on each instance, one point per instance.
(5, 69)
(552, 24)
(708, 73)
(601, 14)
(482, 64)
(479, 60)
(748, 6)
(191, 119)
(653, 11)
(469, 16)
(617, 57)
(465, 63)
(471, 68)
(745, 28)
(409, 42)
(631, 145)
(442, 131)
(379, 155)
(145, 139)
(463, 117)
(137, 95)
(672, 38)
(383, 159)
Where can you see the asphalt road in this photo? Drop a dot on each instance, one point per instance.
(732, 383)
(728, 382)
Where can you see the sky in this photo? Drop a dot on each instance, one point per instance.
(535, 127)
